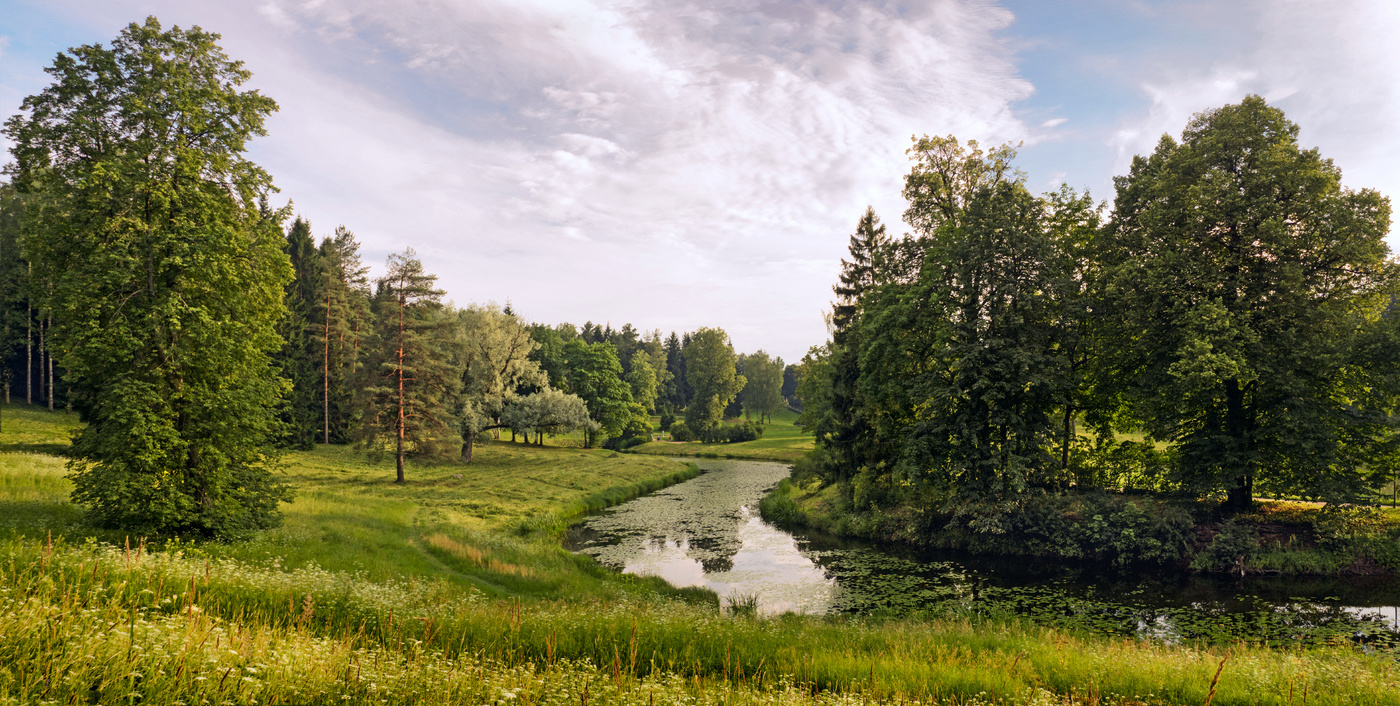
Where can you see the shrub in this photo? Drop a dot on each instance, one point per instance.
(667, 419)
(1233, 545)
(744, 431)
(681, 432)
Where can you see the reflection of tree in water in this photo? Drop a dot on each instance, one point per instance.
(705, 512)
(702, 520)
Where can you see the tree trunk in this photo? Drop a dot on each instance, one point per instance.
(1241, 495)
(326, 374)
(1069, 436)
(29, 348)
(49, 354)
(467, 448)
(400, 377)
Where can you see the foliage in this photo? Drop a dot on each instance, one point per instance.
(298, 358)
(494, 359)
(595, 374)
(983, 406)
(710, 371)
(1235, 543)
(344, 317)
(164, 274)
(410, 385)
(1241, 273)
(763, 388)
(681, 432)
(548, 411)
(742, 431)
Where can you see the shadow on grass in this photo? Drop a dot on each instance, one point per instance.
(51, 449)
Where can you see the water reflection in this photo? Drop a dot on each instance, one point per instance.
(767, 568)
(705, 533)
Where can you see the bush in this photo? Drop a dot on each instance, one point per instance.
(1092, 525)
(1234, 544)
(667, 419)
(681, 432)
(744, 431)
(778, 507)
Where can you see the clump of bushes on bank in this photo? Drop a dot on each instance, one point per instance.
(723, 434)
(1098, 525)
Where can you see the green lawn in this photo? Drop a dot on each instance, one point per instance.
(782, 441)
(474, 524)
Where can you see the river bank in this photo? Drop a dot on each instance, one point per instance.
(1278, 537)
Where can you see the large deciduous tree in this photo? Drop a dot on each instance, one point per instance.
(496, 359)
(763, 389)
(163, 270)
(1242, 273)
(710, 371)
(595, 374)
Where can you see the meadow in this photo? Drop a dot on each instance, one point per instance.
(782, 440)
(453, 588)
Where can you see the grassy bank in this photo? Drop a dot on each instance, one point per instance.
(102, 623)
(455, 590)
(782, 441)
(1277, 537)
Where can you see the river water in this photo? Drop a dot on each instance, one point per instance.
(706, 532)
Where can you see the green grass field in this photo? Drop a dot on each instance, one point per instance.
(456, 590)
(782, 441)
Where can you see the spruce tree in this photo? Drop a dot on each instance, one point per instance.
(344, 321)
(300, 354)
(858, 274)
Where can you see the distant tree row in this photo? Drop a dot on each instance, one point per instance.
(1223, 329)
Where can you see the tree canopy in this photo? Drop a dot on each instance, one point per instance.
(164, 274)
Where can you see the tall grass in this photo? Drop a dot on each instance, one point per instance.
(114, 624)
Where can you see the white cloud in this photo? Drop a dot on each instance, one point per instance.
(671, 164)
(1054, 122)
(1329, 64)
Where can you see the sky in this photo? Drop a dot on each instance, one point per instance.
(683, 164)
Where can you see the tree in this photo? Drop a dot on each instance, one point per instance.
(678, 391)
(299, 356)
(791, 375)
(859, 274)
(412, 386)
(548, 411)
(344, 314)
(642, 379)
(164, 273)
(710, 371)
(1242, 272)
(496, 359)
(596, 376)
(763, 391)
(983, 409)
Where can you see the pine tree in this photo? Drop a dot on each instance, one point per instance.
(411, 386)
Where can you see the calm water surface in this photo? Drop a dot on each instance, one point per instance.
(706, 532)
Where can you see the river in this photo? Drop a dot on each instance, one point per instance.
(706, 532)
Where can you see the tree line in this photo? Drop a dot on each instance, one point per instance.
(1222, 330)
(148, 284)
